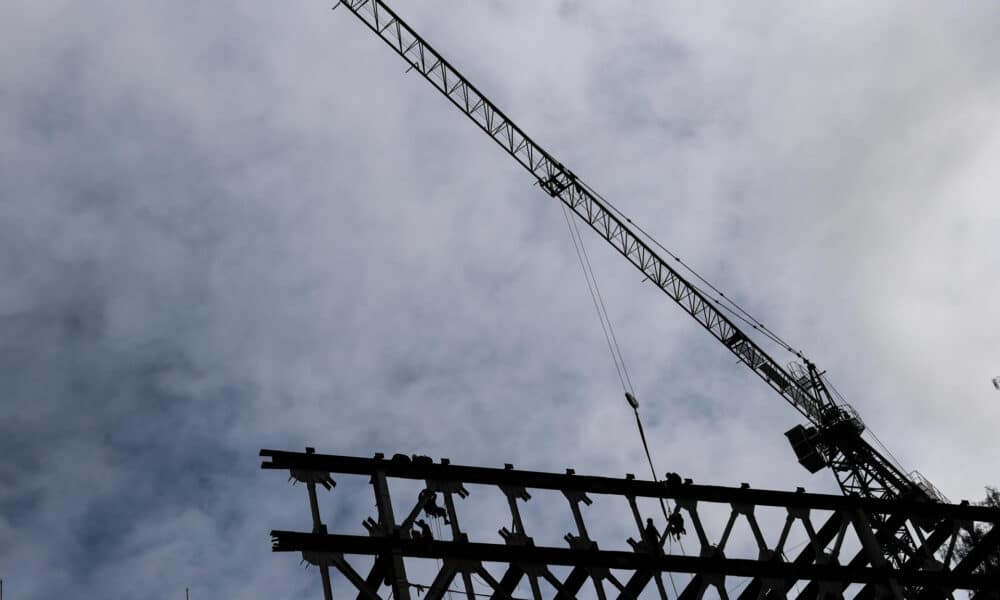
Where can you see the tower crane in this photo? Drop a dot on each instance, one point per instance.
(832, 436)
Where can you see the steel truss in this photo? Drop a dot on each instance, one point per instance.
(842, 556)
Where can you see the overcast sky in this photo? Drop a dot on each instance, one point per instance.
(231, 226)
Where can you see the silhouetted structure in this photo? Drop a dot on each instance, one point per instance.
(827, 564)
(970, 541)
(897, 539)
(833, 436)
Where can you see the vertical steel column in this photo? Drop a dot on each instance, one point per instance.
(400, 585)
(652, 541)
(575, 498)
(319, 527)
(456, 534)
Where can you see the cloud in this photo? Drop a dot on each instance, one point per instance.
(230, 227)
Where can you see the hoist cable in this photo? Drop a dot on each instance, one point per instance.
(649, 459)
(604, 310)
(618, 359)
(616, 356)
(663, 502)
(597, 306)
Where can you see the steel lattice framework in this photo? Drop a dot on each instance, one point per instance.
(844, 543)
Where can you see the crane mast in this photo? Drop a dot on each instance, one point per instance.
(832, 438)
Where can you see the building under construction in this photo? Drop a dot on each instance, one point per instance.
(890, 534)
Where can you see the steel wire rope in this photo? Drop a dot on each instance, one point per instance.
(602, 316)
(617, 358)
(600, 299)
(664, 504)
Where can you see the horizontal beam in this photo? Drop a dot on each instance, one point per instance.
(290, 541)
(424, 470)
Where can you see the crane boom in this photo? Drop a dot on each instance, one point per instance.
(561, 183)
(834, 437)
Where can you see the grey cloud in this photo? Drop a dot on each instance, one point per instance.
(231, 227)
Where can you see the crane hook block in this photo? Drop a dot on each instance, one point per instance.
(631, 400)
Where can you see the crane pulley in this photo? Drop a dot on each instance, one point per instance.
(833, 436)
